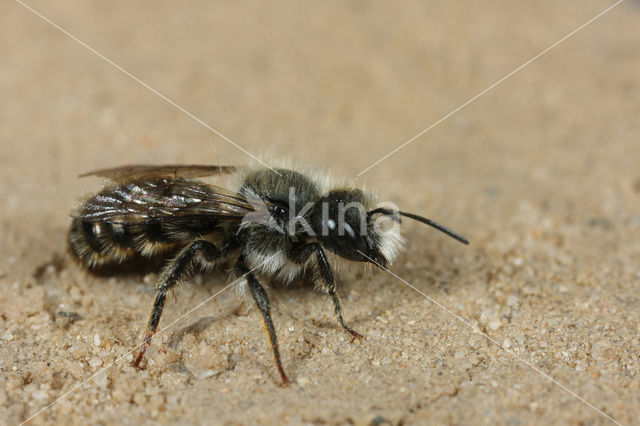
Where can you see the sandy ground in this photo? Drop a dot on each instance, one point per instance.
(540, 173)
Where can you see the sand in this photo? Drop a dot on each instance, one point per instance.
(536, 321)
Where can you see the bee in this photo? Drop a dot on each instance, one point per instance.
(274, 224)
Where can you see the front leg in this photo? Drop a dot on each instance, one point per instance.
(300, 255)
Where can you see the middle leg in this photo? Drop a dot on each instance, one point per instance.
(262, 300)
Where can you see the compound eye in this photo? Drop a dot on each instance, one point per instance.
(350, 232)
(278, 210)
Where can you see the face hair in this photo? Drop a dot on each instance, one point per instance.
(395, 214)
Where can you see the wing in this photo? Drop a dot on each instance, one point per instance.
(141, 171)
(163, 200)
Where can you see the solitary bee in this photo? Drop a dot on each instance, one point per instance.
(276, 224)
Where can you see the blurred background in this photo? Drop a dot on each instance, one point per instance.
(541, 172)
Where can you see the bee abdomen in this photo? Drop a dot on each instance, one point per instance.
(99, 243)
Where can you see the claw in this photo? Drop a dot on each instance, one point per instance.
(354, 334)
(285, 380)
(143, 349)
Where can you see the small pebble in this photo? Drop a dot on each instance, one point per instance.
(602, 351)
(101, 380)
(205, 374)
(40, 395)
(302, 381)
(495, 324)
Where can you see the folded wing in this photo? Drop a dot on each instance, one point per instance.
(163, 199)
(149, 172)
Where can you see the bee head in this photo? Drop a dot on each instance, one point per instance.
(341, 224)
(344, 226)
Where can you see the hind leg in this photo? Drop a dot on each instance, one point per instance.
(179, 269)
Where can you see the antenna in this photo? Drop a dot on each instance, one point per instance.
(395, 213)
